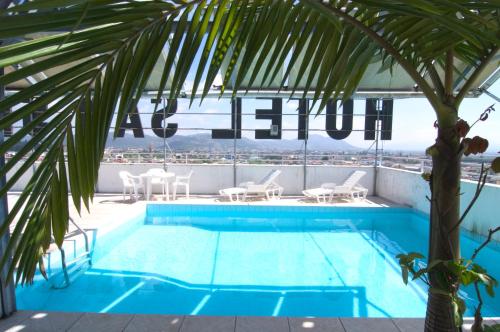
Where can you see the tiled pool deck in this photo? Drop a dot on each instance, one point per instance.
(24, 321)
(112, 207)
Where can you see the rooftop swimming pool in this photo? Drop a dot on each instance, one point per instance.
(257, 261)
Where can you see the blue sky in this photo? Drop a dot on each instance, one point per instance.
(414, 119)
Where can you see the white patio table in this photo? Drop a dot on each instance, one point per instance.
(164, 177)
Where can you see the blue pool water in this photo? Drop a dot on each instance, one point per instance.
(269, 261)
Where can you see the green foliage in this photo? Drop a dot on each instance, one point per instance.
(458, 310)
(495, 165)
(407, 263)
(492, 328)
(426, 176)
(465, 272)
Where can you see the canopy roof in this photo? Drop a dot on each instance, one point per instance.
(152, 84)
(374, 84)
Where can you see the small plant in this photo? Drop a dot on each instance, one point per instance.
(492, 328)
(451, 275)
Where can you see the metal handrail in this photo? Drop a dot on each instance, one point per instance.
(64, 268)
(63, 254)
(83, 232)
(186, 157)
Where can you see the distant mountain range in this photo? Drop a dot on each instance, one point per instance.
(204, 142)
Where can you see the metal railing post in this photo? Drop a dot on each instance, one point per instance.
(235, 124)
(306, 137)
(164, 138)
(7, 294)
(7, 291)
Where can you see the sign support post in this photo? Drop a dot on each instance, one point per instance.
(379, 109)
(306, 138)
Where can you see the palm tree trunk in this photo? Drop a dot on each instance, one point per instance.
(439, 316)
(445, 210)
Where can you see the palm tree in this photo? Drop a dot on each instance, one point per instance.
(103, 53)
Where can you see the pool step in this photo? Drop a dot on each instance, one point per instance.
(85, 256)
(71, 270)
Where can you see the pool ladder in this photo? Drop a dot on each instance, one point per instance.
(76, 263)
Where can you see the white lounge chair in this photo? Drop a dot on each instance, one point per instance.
(182, 181)
(233, 194)
(321, 194)
(131, 184)
(266, 187)
(350, 188)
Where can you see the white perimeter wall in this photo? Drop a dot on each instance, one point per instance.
(209, 179)
(399, 186)
(408, 188)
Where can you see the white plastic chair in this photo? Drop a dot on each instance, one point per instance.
(131, 184)
(182, 181)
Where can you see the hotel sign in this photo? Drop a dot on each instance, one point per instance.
(374, 110)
